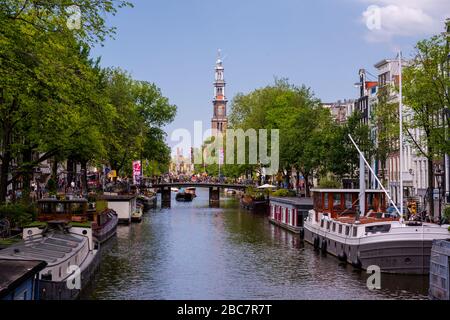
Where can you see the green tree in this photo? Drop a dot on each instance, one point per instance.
(425, 89)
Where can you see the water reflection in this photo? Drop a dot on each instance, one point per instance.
(192, 251)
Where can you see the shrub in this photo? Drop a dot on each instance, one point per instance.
(446, 213)
(281, 193)
(327, 183)
(51, 186)
(19, 215)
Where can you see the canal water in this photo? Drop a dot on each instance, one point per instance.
(192, 251)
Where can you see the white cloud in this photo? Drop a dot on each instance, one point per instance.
(386, 19)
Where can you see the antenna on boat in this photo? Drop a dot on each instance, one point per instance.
(361, 173)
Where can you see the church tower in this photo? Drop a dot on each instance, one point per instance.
(219, 120)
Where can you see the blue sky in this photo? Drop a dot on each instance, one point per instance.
(320, 43)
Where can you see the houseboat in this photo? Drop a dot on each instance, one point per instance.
(123, 205)
(372, 237)
(148, 201)
(103, 219)
(19, 279)
(69, 250)
(289, 213)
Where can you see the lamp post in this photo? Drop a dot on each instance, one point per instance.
(439, 174)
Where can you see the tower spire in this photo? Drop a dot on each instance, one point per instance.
(219, 120)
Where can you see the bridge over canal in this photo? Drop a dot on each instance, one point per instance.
(214, 190)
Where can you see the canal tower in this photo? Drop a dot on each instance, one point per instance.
(219, 120)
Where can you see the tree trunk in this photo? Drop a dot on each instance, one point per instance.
(84, 176)
(55, 168)
(27, 174)
(307, 190)
(430, 186)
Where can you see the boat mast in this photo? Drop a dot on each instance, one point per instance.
(374, 175)
(362, 187)
(401, 131)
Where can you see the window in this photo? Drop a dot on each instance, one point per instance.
(380, 228)
(328, 225)
(340, 228)
(347, 230)
(321, 223)
(348, 201)
(325, 200)
(336, 201)
(334, 226)
(355, 231)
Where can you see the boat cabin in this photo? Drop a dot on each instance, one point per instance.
(63, 210)
(340, 203)
(123, 205)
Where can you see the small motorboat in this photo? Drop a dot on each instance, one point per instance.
(174, 189)
(182, 195)
(230, 191)
(136, 216)
(191, 190)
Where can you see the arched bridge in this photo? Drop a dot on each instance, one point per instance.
(214, 189)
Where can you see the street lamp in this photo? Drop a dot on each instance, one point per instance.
(439, 174)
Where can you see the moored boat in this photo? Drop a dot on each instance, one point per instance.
(372, 238)
(191, 190)
(136, 216)
(182, 195)
(254, 204)
(104, 220)
(68, 248)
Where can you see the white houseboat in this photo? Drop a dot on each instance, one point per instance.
(123, 205)
(371, 238)
(70, 252)
(289, 213)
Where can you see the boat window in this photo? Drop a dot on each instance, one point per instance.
(59, 208)
(325, 200)
(334, 226)
(76, 208)
(347, 230)
(336, 201)
(340, 228)
(378, 228)
(328, 225)
(46, 207)
(355, 231)
(370, 201)
(348, 200)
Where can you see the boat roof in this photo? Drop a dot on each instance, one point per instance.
(54, 248)
(14, 272)
(346, 190)
(77, 200)
(125, 197)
